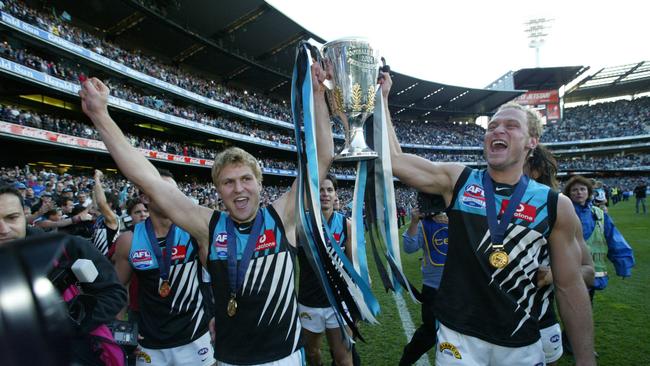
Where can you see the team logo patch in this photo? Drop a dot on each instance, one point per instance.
(305, 315)
(555, 338)
(337, 237)
(449, 349)
(524, 212)
(265, 241)
(143, 357)
(141, 259)
(203, 351)
(178, 253)
(221, 245)
(473, 196)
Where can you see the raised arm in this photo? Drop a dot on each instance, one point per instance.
(413, 170)
(572, 297)
(49, 224)
(174, 204)
(285, 205)
(110, 218)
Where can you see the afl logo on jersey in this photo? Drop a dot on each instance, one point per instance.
(141, 259)
(473, 196)
(265, 241)
(221, 245)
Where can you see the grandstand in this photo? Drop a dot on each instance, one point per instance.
(225, 81)
(185, 85)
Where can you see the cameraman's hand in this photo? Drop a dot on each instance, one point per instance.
(415, 215)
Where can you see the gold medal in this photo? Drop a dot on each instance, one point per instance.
(232, 306)
(165, 289)
(499, 259)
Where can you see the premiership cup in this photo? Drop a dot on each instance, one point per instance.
(353, 65)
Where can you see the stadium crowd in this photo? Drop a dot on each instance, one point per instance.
(149, 65)
(603, 120)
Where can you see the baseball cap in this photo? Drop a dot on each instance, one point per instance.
(19, 185)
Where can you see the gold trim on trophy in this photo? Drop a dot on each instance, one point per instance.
(370, 106)
(357, 105)
(338, 100)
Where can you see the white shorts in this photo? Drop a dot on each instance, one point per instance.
(316, 320)
(454, 348)
(199, 352)
(295, 359)
(552, 342)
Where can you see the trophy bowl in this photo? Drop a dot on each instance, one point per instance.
(353, 65)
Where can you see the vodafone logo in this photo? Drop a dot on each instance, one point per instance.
(177, 252)
(265, 241)
(337, 237)
(524, 211)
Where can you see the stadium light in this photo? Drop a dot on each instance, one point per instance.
(537, 31)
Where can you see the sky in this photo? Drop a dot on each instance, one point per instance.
(472, 43)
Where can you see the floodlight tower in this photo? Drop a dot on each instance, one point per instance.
(536, 29)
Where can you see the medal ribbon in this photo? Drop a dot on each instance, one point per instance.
(236, 273)
(163, 263)
(498, 230)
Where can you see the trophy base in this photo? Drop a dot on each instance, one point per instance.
(355, 155)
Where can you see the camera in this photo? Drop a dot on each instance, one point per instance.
(124, 332)
(34, 324)
(430, 204)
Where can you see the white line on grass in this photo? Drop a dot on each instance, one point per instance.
(408, 326)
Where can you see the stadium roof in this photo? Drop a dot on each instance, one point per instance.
(250, 43)
(546, 78)
(611, 82)
(416, 99)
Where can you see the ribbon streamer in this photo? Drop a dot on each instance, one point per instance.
(333, 271)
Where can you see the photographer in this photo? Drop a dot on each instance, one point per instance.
(428, 231)
(98, 301)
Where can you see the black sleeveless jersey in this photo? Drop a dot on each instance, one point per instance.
(266, 326)
(103, 236)
(500, 306)
(310, 292)
(181, 317)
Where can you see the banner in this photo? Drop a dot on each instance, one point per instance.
(537, 97)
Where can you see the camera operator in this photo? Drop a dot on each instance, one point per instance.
(98, 302)
(427, 231)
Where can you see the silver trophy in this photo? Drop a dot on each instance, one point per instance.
(353, 65)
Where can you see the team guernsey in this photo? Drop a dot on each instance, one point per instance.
(265, 326)
(500, 306)
(310, 292)
(181, 317)
(103, 236)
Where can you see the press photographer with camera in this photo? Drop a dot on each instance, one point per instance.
(90, 288)
(427, 231)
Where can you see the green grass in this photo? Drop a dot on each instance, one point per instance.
(621, 311)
